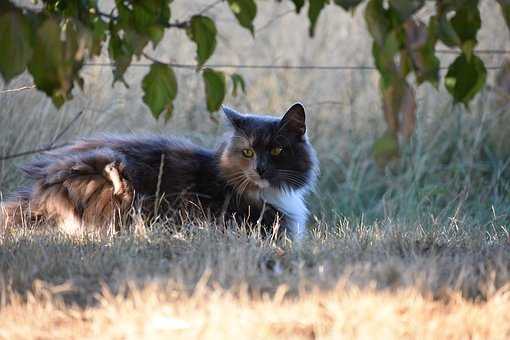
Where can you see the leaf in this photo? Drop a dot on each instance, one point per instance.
(299, 4)
(54, 67)
(384, 57)
(348, 4)
(385, 149)
(245, 12)
(160, 89)
(505, 10)
(421, 42)
(99, 28)
(202, 31)
(238, 81)
(14, 44)
(378, 22)
(314, 10)
(446, 33)
(465, 78)
(406, 8)
(121, 54)
(215, 88)
(466, 24)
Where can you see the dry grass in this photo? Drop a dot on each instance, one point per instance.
(385, 280)
(419, 250)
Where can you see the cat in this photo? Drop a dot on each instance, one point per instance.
(260, 174)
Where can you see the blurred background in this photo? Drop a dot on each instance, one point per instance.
(455, 168)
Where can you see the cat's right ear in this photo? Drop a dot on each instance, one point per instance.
(235, 118)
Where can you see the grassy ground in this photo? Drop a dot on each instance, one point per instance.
(420, 249)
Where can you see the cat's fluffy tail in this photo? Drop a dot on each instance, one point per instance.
(73, 190)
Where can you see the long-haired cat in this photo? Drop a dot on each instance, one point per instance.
(260, 174)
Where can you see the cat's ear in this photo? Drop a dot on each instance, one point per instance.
(235, 118)
(294, 120)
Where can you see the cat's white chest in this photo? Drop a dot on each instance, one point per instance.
(293, 205)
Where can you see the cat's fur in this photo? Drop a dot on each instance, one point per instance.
(93, 180)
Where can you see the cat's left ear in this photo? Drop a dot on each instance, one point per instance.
(235, 118)
(294, 120)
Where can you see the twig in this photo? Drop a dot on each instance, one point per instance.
(23, 88)
(31, 152)
(64, 130)
(208, 7)
(48, 147)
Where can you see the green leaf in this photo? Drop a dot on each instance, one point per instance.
(406, 8)
(52, 67)
(245, 12)
(237, 81)
(99, 28)
(314, 10)
(446, 33)
(505, 10)
(348, 4)
(466, 24)
(299, 4)
(14, 44)
(215, 88)
(378, 21)
(121, 54)
(465, 78)
(160, 89)
(202, 31)
(384, 57)
(385, 149)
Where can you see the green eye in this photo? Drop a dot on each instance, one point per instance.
(276, 151)
(248, 153)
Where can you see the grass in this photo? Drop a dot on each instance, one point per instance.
(351, 280)
(418, 250)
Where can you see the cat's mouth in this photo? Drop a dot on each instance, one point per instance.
(258, 183)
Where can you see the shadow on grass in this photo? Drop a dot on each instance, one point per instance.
(387, 256)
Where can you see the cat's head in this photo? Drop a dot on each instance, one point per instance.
(268, 152)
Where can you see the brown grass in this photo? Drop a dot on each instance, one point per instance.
(193, 281)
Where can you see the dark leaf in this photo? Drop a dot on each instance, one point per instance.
(57, 62)
(237, 81)
(314, 10)
(406, 8)
(505, 10)
(384, 57)
(202, 31)
(245, 12)
(121, 53)
(446, 32)
(466, 24)
(465, 78)
(385, 149)
(348, 4)
(378, 21)
(14, 44)
(421, 42)
(215, 88)
(299, 4)
(160, 89)
(99, 28)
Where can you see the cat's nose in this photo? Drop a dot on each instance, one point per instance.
(261, 171)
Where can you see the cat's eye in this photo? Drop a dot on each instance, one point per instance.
(248, 153)
(276, 151)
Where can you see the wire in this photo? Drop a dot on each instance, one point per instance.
(266, 67)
